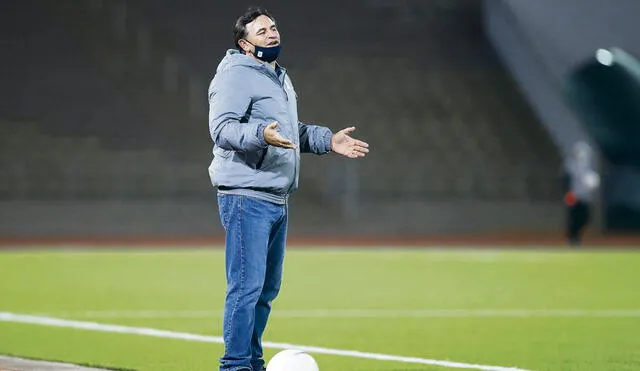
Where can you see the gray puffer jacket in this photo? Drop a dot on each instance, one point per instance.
(245, 96)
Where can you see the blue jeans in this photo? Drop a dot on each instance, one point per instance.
(256, 231)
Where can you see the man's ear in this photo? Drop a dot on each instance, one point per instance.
(246, 46)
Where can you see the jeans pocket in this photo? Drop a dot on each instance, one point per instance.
(224, 208)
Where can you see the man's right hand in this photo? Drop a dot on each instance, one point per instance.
(272, 137)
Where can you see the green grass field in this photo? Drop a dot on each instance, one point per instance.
(560, 310)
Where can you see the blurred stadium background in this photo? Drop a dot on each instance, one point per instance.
(103, 121)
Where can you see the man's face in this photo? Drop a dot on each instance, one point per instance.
(261, 32)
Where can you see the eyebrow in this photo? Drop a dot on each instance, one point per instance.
(264, 28)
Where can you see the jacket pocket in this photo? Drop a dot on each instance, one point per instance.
(276, 159)
(263, 155)
(252, 160)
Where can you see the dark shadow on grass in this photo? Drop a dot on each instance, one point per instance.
(88, 365)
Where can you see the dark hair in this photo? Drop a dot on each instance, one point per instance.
(240, 28)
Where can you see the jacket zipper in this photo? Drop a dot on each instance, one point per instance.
(295, 140)
(274, 76)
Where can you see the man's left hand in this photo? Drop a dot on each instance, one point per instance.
(343, 144)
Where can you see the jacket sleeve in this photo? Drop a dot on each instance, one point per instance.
(229, 100)
(314, 139)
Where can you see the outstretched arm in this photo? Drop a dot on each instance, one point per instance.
(320, 140)
(314, 139)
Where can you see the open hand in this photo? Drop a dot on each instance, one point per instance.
(343, 144)
(274, 138)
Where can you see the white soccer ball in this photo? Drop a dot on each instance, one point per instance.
(292, 360)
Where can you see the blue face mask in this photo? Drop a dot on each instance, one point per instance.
(267, 54)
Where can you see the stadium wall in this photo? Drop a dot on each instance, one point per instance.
(198, 219)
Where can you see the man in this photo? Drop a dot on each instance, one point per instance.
(257, 137)
(582, 181)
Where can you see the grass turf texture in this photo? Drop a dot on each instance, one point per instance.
(67, 284)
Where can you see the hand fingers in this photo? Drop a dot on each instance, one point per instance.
(355, 152)
(347, 130)
(282, 142)
(358, 148)
(285, 143)
(361, 143)
(276, 137)
(361, 149)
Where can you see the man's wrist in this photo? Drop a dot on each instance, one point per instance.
(328, 141)
(260, 134)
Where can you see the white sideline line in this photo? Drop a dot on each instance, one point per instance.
(16, 363)
(93, 326)
(360, 313)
